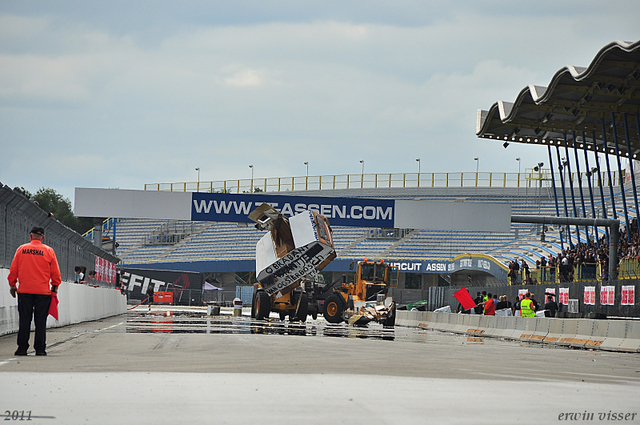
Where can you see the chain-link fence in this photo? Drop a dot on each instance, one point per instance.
(18, 215)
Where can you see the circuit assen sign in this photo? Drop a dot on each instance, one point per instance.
(470, 263)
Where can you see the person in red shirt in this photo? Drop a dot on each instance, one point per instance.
(489, 306)
(33, 275)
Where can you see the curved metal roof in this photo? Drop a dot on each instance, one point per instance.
(584, 101)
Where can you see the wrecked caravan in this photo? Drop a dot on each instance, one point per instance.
(294, 248)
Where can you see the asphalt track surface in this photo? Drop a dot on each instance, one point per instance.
(168, 367)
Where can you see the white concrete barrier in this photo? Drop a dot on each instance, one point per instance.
(599, 333)
(555, 331)
(613, 335)
(78, 303)
(632, 337)
(473, 328)
(569, 331)
(536, 329)
(616, 331)
(518, 328)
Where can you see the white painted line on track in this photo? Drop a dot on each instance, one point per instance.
(109, 327)
(12, 359)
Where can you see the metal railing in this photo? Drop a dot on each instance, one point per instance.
(588, 272)
(529, 178)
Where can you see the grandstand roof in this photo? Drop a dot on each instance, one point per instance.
(577, 100)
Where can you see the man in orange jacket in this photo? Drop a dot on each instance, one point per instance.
(33, 275)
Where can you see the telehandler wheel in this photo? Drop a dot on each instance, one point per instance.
(333, 308)
(301, 300)
(253, 305)
(263, 305)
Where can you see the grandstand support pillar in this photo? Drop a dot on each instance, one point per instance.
(606, 157)
(613, 225)
(573, 197)
(622, 191)
(604, 205)
(553, 181)
(97, 232)
(589, 174)
(575, 152)
(564, 195)
(631, 170)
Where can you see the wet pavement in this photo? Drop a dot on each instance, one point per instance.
(165, 321)
(174, 365)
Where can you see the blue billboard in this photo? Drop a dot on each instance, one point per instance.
(358, 212)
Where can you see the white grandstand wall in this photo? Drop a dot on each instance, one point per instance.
(78, 303)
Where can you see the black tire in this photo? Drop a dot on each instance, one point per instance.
(333, 308)
(263, 305)
(254, 304)
(390, 321)
(301, 301)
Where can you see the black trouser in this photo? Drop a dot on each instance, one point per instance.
(37, 306)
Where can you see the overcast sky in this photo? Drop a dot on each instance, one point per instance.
(116, 94)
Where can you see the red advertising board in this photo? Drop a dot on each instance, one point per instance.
(563, 296)
(628, 295)
(105, 270)
(589, 295)
(607, 295)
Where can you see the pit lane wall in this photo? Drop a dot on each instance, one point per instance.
(610, 335)
(78, 303)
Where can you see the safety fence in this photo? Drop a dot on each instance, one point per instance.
(18, 215)
(619, 298)
(629, 269)
(530, 179)
(609, 335)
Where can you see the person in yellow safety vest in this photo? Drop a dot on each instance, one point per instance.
(527, 308)
(484, 300)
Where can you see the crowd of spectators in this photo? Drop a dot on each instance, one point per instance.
(585, 254)
(489, 304)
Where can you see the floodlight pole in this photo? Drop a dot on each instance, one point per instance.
(613, 225)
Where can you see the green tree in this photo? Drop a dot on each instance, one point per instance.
(53, 202)
(23, 191)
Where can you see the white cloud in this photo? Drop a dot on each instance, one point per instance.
(329, 91)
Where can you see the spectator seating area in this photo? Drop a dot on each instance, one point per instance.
(139, 242)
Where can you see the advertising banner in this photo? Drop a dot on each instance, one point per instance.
(105, 270)
(185, 286)
(563, 296)
(360, 212)
(607, 295)
(589, 295)
(521, 293)
(628, 295)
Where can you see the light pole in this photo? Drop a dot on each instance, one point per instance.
(418, 161)
(251, 186)
(477, 160)
(538, 168)
(198, 174)
(362, 174)
(306, 179)
(594, 170)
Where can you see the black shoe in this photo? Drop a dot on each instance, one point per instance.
(41, 353)
(20, 352)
